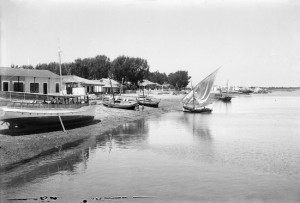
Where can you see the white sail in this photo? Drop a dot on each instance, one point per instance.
(201, 91)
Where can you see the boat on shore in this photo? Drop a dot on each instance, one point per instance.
(198, 100)
(120, 103)
(148, 101)
(45, 109)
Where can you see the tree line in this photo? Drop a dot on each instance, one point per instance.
(129, 71)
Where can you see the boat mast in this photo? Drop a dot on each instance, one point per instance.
(121, 86)
(112, 89)
(193, 95)
(227, 88)
(59, 56)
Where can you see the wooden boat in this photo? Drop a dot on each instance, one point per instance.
(120, 103)
(148, 101)
(47, 110)
(198, 99)
(225, 98)
(195, 109)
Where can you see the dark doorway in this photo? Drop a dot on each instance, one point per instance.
(45, 88)
(5, 86)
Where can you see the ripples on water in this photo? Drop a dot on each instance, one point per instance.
(245, 151)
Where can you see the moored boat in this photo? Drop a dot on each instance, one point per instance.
(198, 100)
(225, 98)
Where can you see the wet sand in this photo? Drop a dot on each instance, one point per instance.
(18, 149)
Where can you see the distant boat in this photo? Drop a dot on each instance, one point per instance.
(225, 97)
(45, 109)
(245, 90)
(148, 101)
(198, 99)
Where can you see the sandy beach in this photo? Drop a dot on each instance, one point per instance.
(18, 149)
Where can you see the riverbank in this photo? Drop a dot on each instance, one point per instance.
(16, 149)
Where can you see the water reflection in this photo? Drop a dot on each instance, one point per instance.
(124, 136)
(43, 167)
(198, 124)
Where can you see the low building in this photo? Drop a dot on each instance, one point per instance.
(29, 80)
(77, 85)
(110, 84)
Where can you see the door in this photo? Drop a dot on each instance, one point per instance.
(45, 88)
(5, 86)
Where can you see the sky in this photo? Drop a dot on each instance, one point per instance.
(255, 42)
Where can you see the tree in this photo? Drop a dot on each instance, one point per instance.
(158, 77)
(129, 69)
(179, 79)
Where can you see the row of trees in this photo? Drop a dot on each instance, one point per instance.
(124, 69)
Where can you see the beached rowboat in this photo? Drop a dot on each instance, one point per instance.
(120, 103)
(148, 101)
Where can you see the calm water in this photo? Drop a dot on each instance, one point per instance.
(245, 151)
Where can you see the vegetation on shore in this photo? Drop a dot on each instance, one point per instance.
(128, 71)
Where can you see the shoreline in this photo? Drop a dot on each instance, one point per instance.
(16, 150)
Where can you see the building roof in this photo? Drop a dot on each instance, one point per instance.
(147, 82)
(77, 79)
(5, 71)
(106, 82)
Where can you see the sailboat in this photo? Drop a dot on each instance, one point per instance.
(198, 100)
(118, 102)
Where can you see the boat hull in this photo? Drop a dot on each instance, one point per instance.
(128, 106)
(197, 110)
(33, 117)
(150, 104)
(225, 99)
(148, 101)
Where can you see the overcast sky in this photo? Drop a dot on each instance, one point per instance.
(255, 42)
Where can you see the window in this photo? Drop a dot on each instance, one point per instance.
(34, 87)
(57, 87)
(18, 87)
(5, 86)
